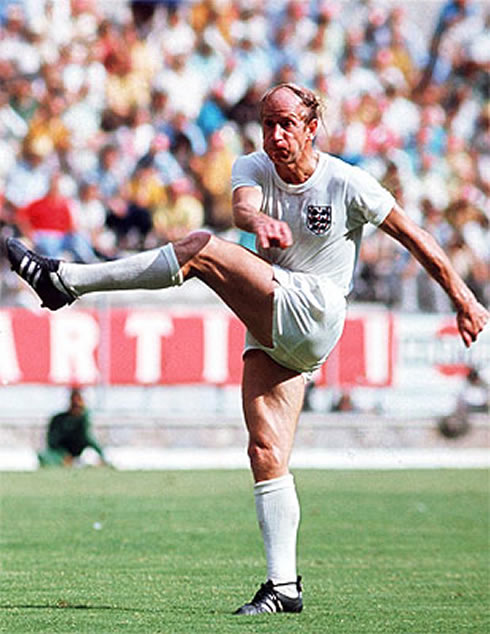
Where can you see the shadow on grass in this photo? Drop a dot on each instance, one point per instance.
(66, 605)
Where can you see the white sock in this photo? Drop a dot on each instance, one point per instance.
(278, 515)
(153, 269)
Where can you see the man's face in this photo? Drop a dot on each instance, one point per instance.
(77, 403)
(284, 128)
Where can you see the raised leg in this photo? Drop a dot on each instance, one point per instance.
(243, 280)
(239, 277)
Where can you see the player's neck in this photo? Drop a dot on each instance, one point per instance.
(299, 171)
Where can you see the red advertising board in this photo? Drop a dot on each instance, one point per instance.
(148, 346)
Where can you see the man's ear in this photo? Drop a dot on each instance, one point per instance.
(312, 128)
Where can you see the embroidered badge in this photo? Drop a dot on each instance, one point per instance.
(319, 218)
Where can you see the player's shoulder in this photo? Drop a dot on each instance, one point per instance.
(344, 171)
(250, 169)
(339, 166)
(257, 160)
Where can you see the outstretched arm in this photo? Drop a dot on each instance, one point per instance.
(471, 315)
(247, 216)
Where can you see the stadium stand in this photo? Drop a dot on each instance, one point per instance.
(99, 92)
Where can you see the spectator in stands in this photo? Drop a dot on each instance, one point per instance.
(175, 79)
(126, 89)
(50, 224)
(129, 218)
(29, 177)
(69, 435)
(452, 14)
(17, 43)
(47, 131)
(212, 114)
(209, 171)
(469, 246)
(401, 115)
(111, 172)
(160, 164)
(245, 110)
(186, 139)
(90, 215)
(13, 125)
(180, 37)
(144, 59)
(208, 62)
(13, 129)
(182, 212)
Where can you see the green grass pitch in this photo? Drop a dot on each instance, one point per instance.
(102, 551)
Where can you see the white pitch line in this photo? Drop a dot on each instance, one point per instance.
(140, 458)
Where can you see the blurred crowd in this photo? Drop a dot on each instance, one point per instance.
(120, 121)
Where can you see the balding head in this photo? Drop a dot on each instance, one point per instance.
(304, 96)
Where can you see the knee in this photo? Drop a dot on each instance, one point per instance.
(189, 247)
(266, 459)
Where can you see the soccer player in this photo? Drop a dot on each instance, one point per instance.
(69, 434)
(307, 210)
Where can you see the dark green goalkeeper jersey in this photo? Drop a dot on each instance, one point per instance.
(72, 433)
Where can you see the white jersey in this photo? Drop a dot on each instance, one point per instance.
(326, 213)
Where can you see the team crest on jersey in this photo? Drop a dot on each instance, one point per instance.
(319, 218)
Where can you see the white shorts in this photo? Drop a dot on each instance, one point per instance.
(309, 316)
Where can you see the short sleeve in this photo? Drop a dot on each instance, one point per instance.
(248, 171)
(367, 199)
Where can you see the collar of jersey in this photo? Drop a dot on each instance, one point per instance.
(299, 188)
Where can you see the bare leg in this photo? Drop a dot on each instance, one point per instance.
(242, 280)
(272, 395)
(272, 399)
